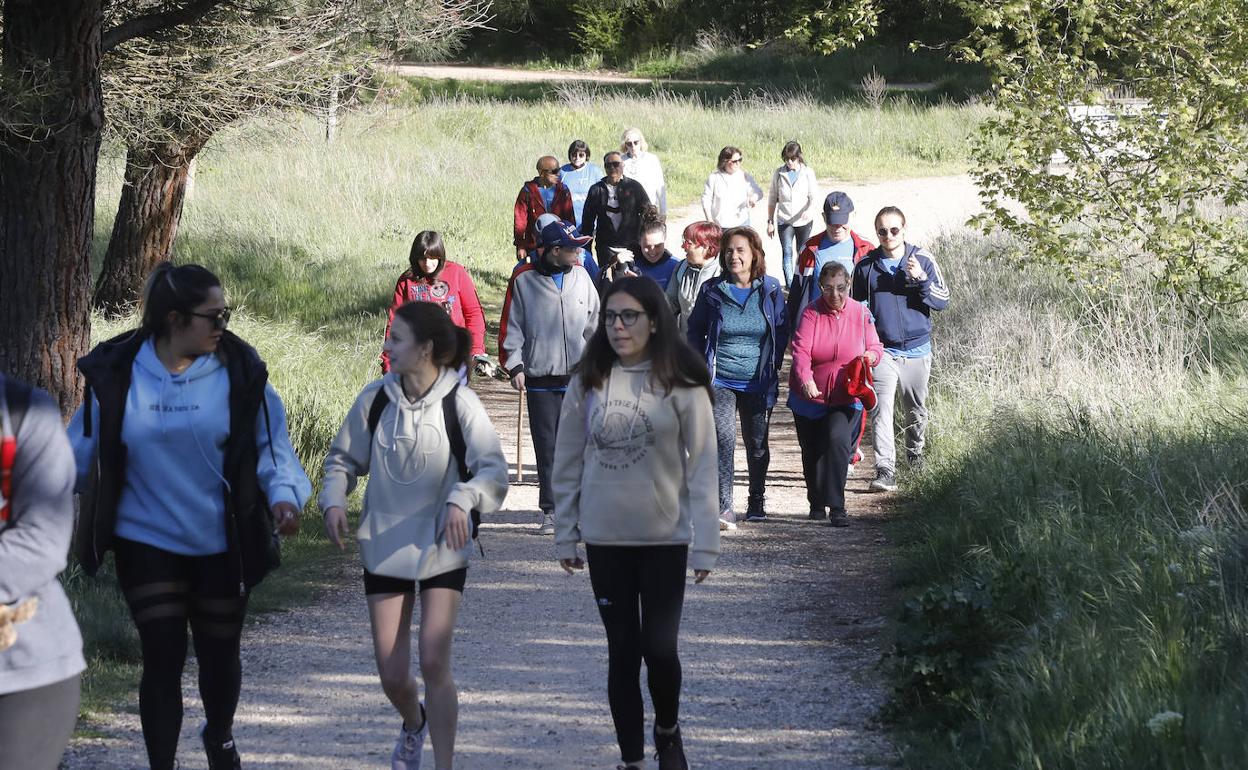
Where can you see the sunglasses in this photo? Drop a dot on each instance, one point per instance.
(632, 143)
(886, 231)
(613, 163)
(626, 317)
(734, 160)
(220, 319)
(550, 170)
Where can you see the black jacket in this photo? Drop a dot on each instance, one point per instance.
(594, 220)
(248, 522)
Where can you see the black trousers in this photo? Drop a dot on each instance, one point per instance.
(544, 408)
(827, 445)
(36, 724)
(164, 590)
(640, 591)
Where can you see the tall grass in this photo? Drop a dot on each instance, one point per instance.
(1076, 551)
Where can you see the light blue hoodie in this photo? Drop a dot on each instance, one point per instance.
(175, 429)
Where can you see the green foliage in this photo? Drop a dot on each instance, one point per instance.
(1157, 189)
(832, 26)
(600, 27)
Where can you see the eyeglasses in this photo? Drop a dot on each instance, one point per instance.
(626, 317)
(887, 231)
(613, 163)
(839, 288)
(220, 319)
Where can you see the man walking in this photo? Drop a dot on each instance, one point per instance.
(542, 194)
(613, 209)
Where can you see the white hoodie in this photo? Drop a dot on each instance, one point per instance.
(413, 476)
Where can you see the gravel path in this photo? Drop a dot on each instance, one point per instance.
(779, 649)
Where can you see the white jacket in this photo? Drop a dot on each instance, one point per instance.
(797, 203)
(726, 198)
(412, 476)
(648, 172)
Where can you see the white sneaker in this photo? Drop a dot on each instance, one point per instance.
(727, 521)
(547, 527)
(409, 746)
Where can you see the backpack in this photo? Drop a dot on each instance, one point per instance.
(454, 435)
(14, 401)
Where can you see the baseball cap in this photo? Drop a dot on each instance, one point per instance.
(561, 234)
(837, 208)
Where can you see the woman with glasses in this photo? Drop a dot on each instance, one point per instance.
(700, 241)
(739, 325)
(637, 418)
(192, 477)
(832, 332)
(730, 192)
(791, 204)
(644, 166)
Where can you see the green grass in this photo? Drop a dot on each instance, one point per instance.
(1076, 550)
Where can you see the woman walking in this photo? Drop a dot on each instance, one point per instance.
(833, 333)
(739, 325)
(730, 192)
(431, 277)
(637, 417)
(432, 456)
(195, 476)
(791, 205)
(700, 241)
(644, 166)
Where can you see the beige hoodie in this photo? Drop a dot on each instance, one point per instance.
(413, 476)
(634, 466)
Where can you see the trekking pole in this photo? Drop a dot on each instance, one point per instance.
(520, 437)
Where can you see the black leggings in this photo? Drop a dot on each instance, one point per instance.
(623, 577)
(163, 591)
(36, 724)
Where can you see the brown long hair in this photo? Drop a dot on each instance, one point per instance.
(672, 362)
(428, 322)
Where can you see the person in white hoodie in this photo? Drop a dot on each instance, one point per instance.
(635, 479)
(791, 204)
(730, 192)
(432, 456)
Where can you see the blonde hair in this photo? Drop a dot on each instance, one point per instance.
(640, 138)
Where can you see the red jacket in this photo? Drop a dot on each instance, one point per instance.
(530, 206)
(452, 288)
(806, 259)
(825, 342)
(804, 274)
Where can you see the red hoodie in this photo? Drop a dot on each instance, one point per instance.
(530, 206)
(452, 288)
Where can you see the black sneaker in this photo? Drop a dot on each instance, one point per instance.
(669, 750)
(754, 511)
(221, 755)
(817, 514)
(884, 481)
(838, 519)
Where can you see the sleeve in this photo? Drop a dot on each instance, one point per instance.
(520, 218)
(754, 188)
(83, 447)
(34, 548)
(483, 454)
(511, 330)
(934, 292)
(662, 188)
(708, 198)
(594, 303)
(349, 453)
(278, 468)
(699, 317)
(699, 496)
(813, 185)
(565, 479)
(783, 327)
(773, 194)
(474, 316)
(802, 342)
(673, 288)
(872, 342)
(859, 285)
(590, 265)
(589, 214)
(400, 296)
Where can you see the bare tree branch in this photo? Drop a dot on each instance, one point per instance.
(153, 23)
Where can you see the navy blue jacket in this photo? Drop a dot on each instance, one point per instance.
(706, 317)
(902, 307)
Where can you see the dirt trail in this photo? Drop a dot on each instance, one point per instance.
(779, 650)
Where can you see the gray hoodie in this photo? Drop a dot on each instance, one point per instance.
(34, 546)
(412, 476)
(682, 290)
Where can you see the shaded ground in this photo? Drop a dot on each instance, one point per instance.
(779, 649)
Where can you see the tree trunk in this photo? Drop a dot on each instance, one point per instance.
(146, 223)
(51, 114)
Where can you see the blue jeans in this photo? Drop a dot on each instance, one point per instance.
(792, 239)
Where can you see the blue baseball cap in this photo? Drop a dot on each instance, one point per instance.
(837, 207)
(561, 234)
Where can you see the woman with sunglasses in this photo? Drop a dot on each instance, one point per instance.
(791, 205)
(638, 417)
(730, 192)
(644, 166)
(832, 332)
(739, 326)
(192, 477)
(700, 241)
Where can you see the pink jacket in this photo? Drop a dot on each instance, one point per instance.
(825, 342)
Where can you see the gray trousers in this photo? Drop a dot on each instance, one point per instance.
(905, 377)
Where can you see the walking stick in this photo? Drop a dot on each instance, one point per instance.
(520, 437)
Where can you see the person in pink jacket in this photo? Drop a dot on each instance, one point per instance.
(831, 333)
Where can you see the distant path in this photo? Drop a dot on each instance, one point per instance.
(780, 651)
(514, 75)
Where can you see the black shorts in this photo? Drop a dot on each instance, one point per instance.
(380, 584)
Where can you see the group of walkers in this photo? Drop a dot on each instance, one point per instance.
(635, 366)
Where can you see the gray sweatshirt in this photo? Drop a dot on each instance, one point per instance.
(682, 290)
(34, 545)
(544, 328)
(636, 466)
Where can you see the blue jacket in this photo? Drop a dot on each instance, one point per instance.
(902, 307)
(706, 317)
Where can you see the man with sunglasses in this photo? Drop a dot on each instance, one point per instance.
(901, 284)
(542, 194)
(613, 209)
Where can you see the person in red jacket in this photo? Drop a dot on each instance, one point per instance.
(432, 278)
(838, 242)
(832, 332)
(542, 194)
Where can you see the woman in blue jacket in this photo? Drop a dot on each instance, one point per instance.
(738, 323)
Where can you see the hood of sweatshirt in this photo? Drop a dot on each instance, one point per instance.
(414, 440)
